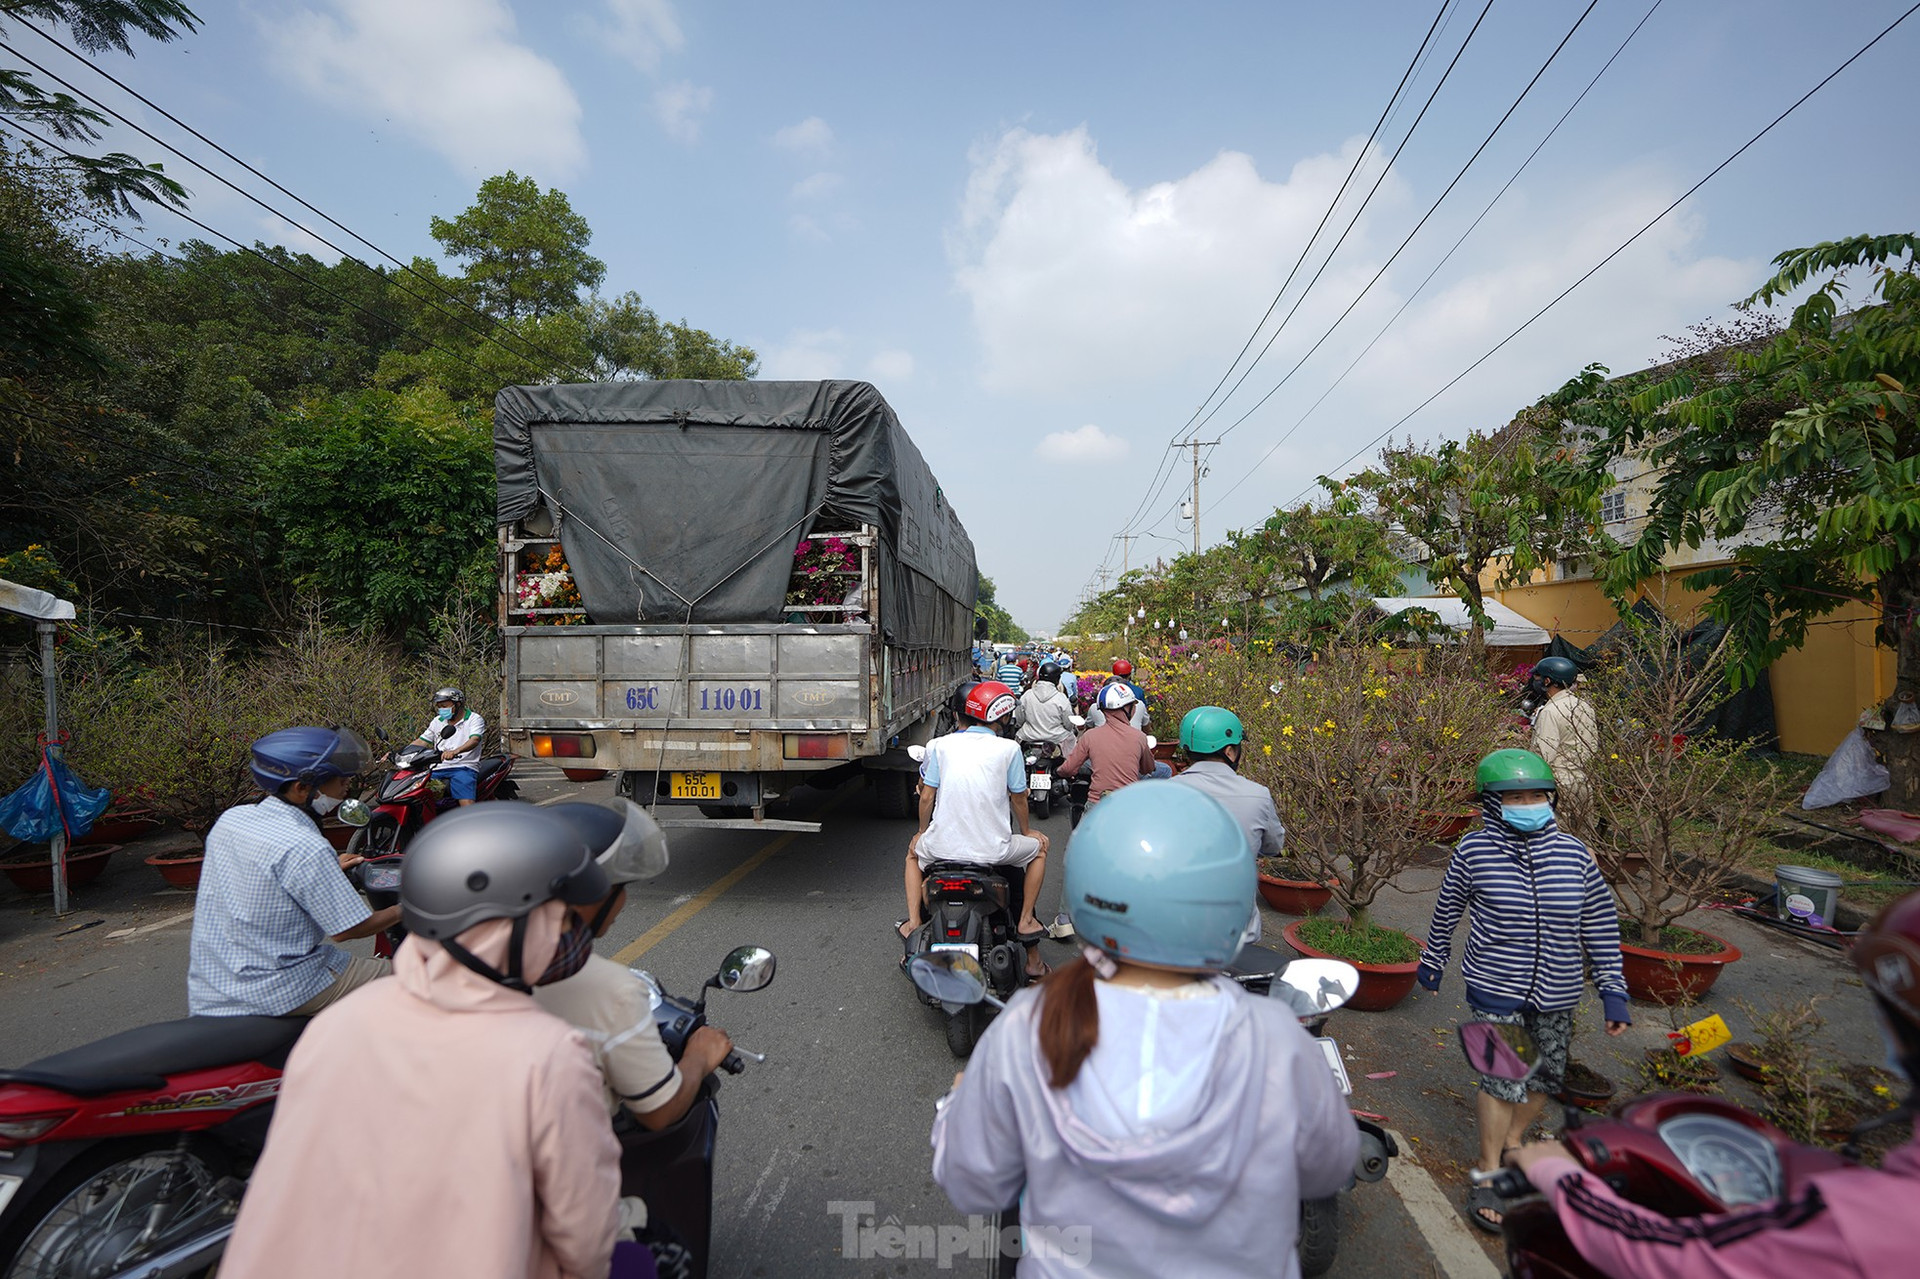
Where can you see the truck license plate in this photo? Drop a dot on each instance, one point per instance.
(695, 786)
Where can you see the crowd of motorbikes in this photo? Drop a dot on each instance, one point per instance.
(127, 1158)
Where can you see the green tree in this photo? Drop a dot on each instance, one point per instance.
(1334, 540)
(1805, 449)
(525, 250)
(382, 504)
(627, 340)
(115, 180)
(1486, 504)
(1001, 628)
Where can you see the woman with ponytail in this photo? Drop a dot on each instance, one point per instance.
(1148, 1116)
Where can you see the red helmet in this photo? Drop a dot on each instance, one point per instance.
(989, 701)
(1123, 668)
(1887, 953)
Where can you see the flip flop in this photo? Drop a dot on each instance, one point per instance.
(1482, 1198)
(1029, 939)
(1046, 970)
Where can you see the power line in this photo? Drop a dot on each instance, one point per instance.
(1301, 298)
(276, 264)
(1444, 259)
(484, 332)
(1596, 268)
(1424, 218)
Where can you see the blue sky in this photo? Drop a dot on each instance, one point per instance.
(1045, 230)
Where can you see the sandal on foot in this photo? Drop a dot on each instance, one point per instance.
(1046, 970)
(1480, 1201)
(1035, 937)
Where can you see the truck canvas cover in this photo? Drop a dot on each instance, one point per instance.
(681, 501)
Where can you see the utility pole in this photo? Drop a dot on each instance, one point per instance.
(1126, 550)
(1193, 506)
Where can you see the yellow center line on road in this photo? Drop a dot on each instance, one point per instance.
(711, 893)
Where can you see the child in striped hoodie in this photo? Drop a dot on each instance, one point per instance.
(1541, 918)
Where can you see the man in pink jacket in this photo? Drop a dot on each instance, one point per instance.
(1850, 1222)
(442, 1124)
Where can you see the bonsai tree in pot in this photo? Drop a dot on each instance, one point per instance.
(1669, 804)
(1359, 747)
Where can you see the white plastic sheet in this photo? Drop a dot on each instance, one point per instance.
(1851, 772)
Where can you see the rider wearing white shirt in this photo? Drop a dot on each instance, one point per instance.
(458, 734)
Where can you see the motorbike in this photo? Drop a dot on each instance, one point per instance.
(672, 1169)
(1677, 1154)
(1313, 988)
(128, 1156)
(410, 796)
(1041, 759)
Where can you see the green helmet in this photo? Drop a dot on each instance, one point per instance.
(1511, 769)
(1208, 730)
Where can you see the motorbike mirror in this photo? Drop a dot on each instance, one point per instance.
(1500, 1051)
(380, 733)
(1152, 741)
(744, 969)
(1315, 986)
(353, 813)
(952, 977)
(916, 753)
(1078, 721)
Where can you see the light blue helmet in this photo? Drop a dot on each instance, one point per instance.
(1159, 873)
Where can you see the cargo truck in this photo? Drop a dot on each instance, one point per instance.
(725, 590)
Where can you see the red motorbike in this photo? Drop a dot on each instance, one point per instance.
(1676, 1154)
(129, 1155)
(411, 795)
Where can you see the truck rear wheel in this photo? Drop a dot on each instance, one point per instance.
(892, 792)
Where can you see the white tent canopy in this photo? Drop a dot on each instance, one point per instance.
(1510, 630)
(38, 605)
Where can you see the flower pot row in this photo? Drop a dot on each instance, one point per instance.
(31, 869)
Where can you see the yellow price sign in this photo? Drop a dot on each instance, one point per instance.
(1702, 1036)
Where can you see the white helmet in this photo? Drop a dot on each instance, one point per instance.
(1116, 697)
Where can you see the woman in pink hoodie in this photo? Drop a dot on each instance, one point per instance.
(1851, 1222)
(441, 1123)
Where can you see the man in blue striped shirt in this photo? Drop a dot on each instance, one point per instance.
(1541, 918)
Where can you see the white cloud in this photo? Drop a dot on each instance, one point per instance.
(641, 31)
(806, 356)
(451, 73)
(1078, 280)
(811, 137)
(815, 186)
(1089, 445)
(890, 366)
(679, 107)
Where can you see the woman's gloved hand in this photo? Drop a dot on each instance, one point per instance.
(1428, 976)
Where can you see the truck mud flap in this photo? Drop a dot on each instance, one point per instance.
(737, 823)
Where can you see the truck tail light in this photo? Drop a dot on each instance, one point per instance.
(817, 746)
(564, 745)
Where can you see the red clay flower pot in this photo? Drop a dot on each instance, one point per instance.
(180, 870)
(1294, 896)
(336, 833)
(1447, 826)
(1662, 976)
(31, 869)
(118, 828)
(1382, 986)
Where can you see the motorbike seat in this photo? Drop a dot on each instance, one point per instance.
(488, 766)
(144, 1056)
(960, 870)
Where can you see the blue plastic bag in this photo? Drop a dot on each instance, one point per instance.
(35, 811)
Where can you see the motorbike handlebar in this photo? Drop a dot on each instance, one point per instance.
(733, 1064)
(1508, 1183)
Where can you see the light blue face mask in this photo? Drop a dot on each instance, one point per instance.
(1527, 817)
(443, 713)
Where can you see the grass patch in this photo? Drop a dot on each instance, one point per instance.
(1673, 938)
(1374, 946)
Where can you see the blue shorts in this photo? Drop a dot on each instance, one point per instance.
(462, 783)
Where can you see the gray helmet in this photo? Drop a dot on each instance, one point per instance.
(449, 694)
(628, 844)
(494, 861)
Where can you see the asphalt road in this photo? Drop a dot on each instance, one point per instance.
(839, 1113)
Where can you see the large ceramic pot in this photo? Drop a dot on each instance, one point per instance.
(31, 869)
(1445, 826)
(1663, 976)
(180, 869)
(336, 833)
(119, 827)
(1293, 896)
(1382, 986)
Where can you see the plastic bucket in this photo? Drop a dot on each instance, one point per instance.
(1804, 895)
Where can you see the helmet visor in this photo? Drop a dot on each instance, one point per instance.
(349, 757)
(640, 850)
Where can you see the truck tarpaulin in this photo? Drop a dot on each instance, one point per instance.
(683, 500)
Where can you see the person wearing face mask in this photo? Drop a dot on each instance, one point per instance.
(273, 901)
(457, 733)
(1541, 919)
(442, 1122)
(1845, 1222)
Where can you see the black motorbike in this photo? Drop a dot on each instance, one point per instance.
(972, 910)
(1042, 758)
(672, 1169)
